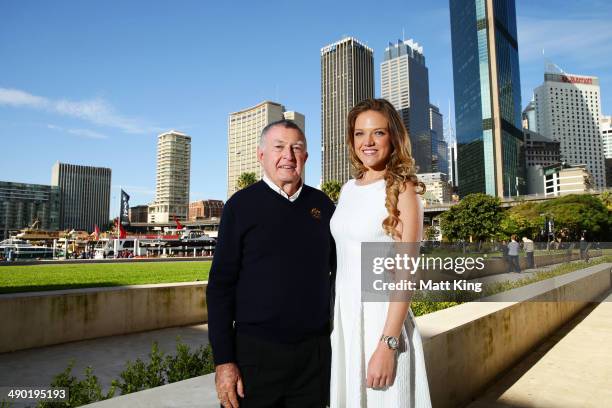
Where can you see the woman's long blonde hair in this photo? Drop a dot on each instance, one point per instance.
(400, 167)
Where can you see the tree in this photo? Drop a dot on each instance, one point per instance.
(332, 189)
(431, 233)
(576, 213)
(523, 220)
(606, 199)
(245, 180)
(477, 217)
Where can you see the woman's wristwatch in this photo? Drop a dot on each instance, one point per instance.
(390, 341)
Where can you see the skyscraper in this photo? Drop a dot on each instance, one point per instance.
(452, 164)
(244, 128)
(439, 147)
(568, 110)
(347, 78)
(84, 195)
(605, 124)
(172, 179)
(487, 96)
(405, 83)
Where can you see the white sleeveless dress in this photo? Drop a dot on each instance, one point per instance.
(359, 325)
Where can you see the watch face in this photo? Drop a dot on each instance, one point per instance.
(392, 343)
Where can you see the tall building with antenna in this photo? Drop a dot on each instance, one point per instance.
(404, 81)
(487, 97)
(347, 78)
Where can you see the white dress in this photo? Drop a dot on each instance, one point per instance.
(358, 325)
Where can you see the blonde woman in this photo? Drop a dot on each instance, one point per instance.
(377, 354)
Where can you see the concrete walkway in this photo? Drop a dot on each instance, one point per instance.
(107, 356)
(527, 273)
(573, 368)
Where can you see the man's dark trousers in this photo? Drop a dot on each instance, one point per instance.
(284, 375)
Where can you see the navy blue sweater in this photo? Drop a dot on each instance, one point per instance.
(272, 270)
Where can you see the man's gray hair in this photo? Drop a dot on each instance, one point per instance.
(287, 124)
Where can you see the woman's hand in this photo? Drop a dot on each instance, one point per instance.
(381, 367)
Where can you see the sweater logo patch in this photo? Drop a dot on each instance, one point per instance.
(316, 213)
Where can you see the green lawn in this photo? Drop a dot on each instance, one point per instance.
(29, 278)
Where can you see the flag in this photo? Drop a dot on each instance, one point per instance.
(124, 214)
(178, 223)
(96, 232)
(120, 230)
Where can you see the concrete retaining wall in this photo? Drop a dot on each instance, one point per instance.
(37, 319)
(468, 346)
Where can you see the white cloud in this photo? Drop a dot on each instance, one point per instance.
(86, 133)
(96, 111)
(17, 98)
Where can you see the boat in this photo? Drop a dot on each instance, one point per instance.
(19, 249)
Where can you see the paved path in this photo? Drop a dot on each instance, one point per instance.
(107, 356)
(526, 273)
(573, 368)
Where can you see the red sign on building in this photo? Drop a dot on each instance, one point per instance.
(576, 80)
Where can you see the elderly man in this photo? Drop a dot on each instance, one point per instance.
(269, 290)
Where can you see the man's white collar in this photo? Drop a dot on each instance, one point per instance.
(280, 191)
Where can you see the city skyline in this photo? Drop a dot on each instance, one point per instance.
(98, 90)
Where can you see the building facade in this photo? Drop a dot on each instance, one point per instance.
(568, 110)
(203, 209)
(439, 154)
(244, 130)
(139, 213)
(347, 78)
(452, 165)
(437, 188)
(85, 193)
(404, 81)
(540, 151)
(22, 204)
(605, 126)
(562, 179)
(487, 97)
(172, 178)
(529, 116)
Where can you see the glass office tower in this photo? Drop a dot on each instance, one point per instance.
(487, 97)
(347, 78)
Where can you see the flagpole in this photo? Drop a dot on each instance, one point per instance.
(119, 215)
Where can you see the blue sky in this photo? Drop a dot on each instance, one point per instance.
(95, 82)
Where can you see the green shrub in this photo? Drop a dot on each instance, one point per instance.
(185, 365)
(139, 375)
(79, 392)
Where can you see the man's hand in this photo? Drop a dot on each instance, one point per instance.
(228, 381)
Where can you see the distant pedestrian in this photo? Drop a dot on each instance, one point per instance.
(528, 247)
(513, 254)
(584, 249)
(504, 249)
